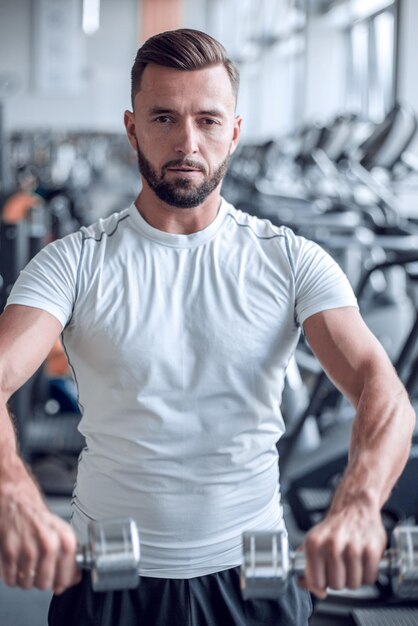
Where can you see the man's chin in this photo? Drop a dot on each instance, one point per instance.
(183, 202)
(181, 198)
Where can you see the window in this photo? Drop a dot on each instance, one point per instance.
(371, 60)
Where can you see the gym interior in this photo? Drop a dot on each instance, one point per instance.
(329, 148)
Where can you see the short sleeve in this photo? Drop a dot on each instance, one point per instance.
(320, 283)
(49, 281)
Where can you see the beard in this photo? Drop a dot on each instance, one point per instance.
(181, 193)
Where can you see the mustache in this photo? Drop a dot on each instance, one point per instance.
(184, 163)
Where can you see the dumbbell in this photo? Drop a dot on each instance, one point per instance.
(112, 554)
(268, 563)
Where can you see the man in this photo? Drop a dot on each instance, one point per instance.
(179, 316)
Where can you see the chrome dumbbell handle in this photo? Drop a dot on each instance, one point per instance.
(268, 563)
(112, 554)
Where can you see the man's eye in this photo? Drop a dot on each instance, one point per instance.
(163, 119)
(207, 121)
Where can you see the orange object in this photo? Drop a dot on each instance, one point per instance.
(157, 16)
(57, 362)
(16, 208)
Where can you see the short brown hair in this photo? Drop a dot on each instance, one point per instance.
(183, 49)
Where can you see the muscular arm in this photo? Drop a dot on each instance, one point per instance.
(31, 538)
(344, 549)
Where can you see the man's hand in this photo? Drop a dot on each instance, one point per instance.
(37, 548)
(343, 551)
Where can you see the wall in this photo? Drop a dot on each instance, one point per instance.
(104, 81)
(266, 88)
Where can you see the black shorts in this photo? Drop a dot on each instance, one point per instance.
(213, 600)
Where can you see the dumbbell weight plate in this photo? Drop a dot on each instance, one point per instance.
(404, 558)
(114, 549)
(266, 565)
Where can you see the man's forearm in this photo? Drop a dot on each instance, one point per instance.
(379, 446)
(11, 463)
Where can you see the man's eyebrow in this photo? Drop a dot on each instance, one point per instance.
(156, 110)
(160, 110)
(212, 113)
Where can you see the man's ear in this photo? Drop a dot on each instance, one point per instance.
(129, 121)
(236, 133)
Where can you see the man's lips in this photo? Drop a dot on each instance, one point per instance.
(184, 168)
(184, 171)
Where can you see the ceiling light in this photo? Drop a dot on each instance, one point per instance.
(91, 16)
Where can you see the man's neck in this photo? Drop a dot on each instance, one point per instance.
(177, 220)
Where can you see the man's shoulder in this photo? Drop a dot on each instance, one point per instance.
(255, 226)
(106, 227)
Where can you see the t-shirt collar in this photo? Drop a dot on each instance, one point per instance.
(176, 240)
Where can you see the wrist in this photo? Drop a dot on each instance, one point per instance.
(351, 493)
(12, 470)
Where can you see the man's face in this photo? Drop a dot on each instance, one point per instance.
(181, 191)
(184, 130)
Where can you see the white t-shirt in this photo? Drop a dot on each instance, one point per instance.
(179, 345)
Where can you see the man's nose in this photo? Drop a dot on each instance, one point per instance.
(186, 140)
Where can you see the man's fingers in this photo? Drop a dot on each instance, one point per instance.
(49, 546)
(353, 561)
(25, 578)
(41, 555)
(371, 558)
(8, 562)
(319, 593)
(343, 551)
(337, 565)
(315, 568)
(66, 573)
